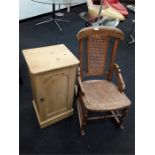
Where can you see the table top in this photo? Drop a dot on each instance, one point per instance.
(56, 1)
(103, 20)
(49, 58)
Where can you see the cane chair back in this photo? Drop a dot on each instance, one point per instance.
(97, 42)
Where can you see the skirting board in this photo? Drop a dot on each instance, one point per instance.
(53, 119)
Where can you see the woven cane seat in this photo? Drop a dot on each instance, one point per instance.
(100, 99)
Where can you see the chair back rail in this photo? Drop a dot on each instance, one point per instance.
(97, 41)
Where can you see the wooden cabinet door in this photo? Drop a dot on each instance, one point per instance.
(56, 87)
(54, 93)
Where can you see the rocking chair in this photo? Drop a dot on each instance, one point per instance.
(100, 95)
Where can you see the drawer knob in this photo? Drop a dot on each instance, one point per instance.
(42, 99)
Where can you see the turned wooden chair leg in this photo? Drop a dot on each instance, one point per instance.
(83, 128)
(85, 115)
(76, 92)
(82, 116)
(124, 114)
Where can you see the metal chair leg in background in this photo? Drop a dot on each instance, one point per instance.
(53, 19)
(131, 39)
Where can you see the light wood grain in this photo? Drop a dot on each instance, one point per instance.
(49, 58)
(52, 82)
(51, 120)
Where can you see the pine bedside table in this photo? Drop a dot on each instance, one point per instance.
(52, 72)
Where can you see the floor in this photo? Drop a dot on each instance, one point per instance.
(102, 137)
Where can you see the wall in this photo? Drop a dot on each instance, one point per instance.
(28, 8)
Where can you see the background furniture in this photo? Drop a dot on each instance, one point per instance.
(27, 9)
(93, 21)
(96, 10)
(59, 14)
(131, 38)
(52, 72)
(100, 95)
(53, 3)
(99, 18)
(117, 6)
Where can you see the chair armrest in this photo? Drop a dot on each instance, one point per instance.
(80, 82)
(119, 77)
